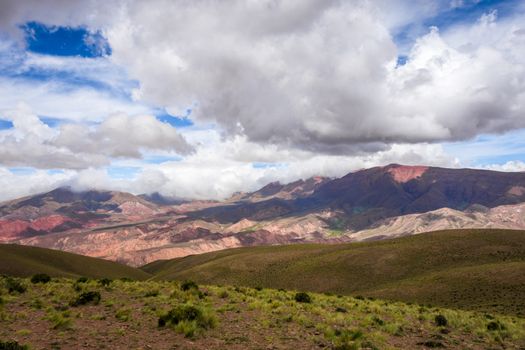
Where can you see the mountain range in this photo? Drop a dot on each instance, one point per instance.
(369, 204)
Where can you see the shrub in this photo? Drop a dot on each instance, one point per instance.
(441, 321)
(188, 319)
(104, 282)
(40, 278)
(432, 344)
(86, 298)
(495, 326)
(302, 297)
(187, 285)
(82, 280)
(12, 345)
(13, 285)
(378, 321)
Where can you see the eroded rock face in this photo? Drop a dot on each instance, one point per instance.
(402, 173)
(516, 191)
(12, 229)
(48, 223)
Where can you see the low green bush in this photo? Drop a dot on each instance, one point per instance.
(441, 321)
(495, 326)
(187, 285)
(40, 278)
(188, 319)
(12, 345)
(302, 297)
(14, 286)
(104, 282)
(82, 280)
(91, 297)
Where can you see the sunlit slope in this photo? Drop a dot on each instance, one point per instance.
(473, 269)
(17, 260)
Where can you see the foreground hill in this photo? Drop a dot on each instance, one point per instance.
(472, 269)
(370, 204)
(16, 260)
(170, 315)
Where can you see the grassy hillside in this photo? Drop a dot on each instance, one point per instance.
(472, 269)
(67, 314)
(17, 260)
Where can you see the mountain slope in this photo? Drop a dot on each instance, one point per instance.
(457, 268)
(293, 190)
(393, 190)
(63, 210)
(370, 204)
(16, 260)
(369, 195)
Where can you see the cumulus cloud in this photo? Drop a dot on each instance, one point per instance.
(317, 75)
(120, 135)
(219, 168)
(512, 165)
(310, 87)
(18, 185)
(75, 146)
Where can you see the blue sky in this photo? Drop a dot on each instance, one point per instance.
(83, 86)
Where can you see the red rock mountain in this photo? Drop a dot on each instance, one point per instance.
(367, 204)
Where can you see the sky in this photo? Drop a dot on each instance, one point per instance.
(200, 99)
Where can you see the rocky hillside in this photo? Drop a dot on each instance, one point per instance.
(63, 210)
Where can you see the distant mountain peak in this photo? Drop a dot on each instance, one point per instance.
(275, 189)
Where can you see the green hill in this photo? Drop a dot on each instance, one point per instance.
(23, 261)
(471, 269)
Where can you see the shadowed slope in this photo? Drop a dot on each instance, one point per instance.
(16, 260)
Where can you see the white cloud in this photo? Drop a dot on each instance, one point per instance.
(322, 77)
(512, 165)
(120, 135)
(309, 85)
(315, 75)
(18, 185)
(71, 88)
(218, 168)
(76, 146)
